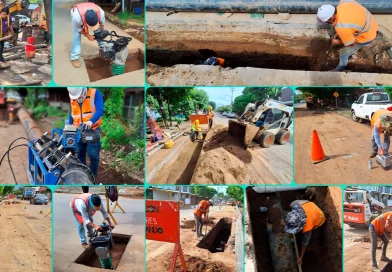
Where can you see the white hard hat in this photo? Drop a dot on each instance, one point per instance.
(74, 93)
(325, 12)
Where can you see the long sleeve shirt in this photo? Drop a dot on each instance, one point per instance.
(77, 21)
(81, 207)
(376, 135)
(98, 101)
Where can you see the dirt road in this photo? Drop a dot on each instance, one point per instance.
(346, 142)
(357, 254)
(18, 156)
(224, 164)
(26, 238)
(159, 253)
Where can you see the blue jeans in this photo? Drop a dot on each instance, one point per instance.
(346, 53)
(385, 147)
(92, 150)
(80, 228)
(77, 45)
(373, 239)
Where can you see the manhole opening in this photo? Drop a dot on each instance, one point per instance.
(217, 238)
(305, 54)
(90, 258)
(100, 68)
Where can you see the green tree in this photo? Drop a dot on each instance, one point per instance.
(241, 101)
(200, 99)
(212, 104)
(235, 192)
(220, 195)
(263, 93)
(224, 108)
(204, 191)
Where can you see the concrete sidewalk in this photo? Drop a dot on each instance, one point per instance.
(64, 73)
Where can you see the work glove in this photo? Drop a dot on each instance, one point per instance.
(87, 125)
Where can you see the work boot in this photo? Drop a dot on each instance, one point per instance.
(85, 246)
(76, 63)
(375, 268)
(372, 155)
(385, 259)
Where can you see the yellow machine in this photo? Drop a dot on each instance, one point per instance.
(199, 133)
(15, 5)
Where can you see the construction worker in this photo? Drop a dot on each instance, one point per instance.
(304, 217)
(211, 116)
(355, 27)
(84, 207)
(5, 29)
(377, 229)
(194, 129)
(381, 122)
(215, 61)
(44, 25)
(202, 209)
(86, 113)
(86, 17)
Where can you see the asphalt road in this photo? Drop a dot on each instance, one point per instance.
(66, 240)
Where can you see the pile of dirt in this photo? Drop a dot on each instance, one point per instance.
(191, 224)
(195, 264)
(223, 160)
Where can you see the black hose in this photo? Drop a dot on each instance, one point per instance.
(8, 156)
(10, 150)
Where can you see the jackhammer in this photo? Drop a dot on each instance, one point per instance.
(116, 50)
(102, 241)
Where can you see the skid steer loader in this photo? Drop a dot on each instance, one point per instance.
(266, 122)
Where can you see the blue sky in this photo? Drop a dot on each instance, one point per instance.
(222, 95)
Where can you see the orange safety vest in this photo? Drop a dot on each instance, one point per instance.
(83, 113)
(379, 222)
(44, 25)
(1, 26)
(211, 114)
(314, 216)
(203, 204)
(354, 23)
(83, 8)
(221, 62)
(375, 121)
(77, 214)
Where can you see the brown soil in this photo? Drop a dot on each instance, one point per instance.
(107, 175)
(196, 264)
(191, 224)
(346, 142)
(325, 246)
(100, 68)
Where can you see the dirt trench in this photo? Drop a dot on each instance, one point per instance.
(326, 242)
(217, 238)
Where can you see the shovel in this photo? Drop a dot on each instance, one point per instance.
(296, 253)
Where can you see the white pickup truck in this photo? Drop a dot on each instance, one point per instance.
(367, 104)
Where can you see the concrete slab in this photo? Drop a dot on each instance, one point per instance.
(64, 73)
(202, 75)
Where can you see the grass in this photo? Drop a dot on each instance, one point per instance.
(126, 16)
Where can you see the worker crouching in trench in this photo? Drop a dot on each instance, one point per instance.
(86, 113)
(305, 217)
(377, 229)
(381, 123)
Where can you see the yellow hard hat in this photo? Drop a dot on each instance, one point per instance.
(210, 108)
(197, 122)
(43, 16)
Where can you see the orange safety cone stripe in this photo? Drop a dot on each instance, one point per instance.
(317, 149)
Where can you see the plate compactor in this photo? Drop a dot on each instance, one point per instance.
(51, 161)
(116, 49)
(102, 241)
(384, 161)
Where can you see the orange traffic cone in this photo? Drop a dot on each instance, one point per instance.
(317, 150)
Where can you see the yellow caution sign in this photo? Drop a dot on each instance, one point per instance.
(336, 94)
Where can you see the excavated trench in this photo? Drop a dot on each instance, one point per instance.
(263, 45)
(274, 249)
(90, 258)
(217, 238)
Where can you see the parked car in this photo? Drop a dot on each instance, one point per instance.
(23, 20)
(39, 199)
(224, 113)
(367, 104)
(231, 115)
(302, 101)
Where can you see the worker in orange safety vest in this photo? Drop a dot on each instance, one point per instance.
(202, 209)
(381, 123)
(355, 27)
(211, 116)
(377, 229)
(305, 217)
(84, 207)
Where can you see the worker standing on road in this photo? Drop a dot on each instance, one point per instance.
(84, 207)
(355, 27)
(86, 17)
(381, 122)
(202, 209)
(86, 112)
(304, 217)
(44, 26)
(211, 116)
(5, 29)
(377, 229)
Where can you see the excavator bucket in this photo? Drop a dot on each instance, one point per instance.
(245, 131)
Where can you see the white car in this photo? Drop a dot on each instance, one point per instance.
(23, 20)
(224, 113)
(367, 104)
(231, 115)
